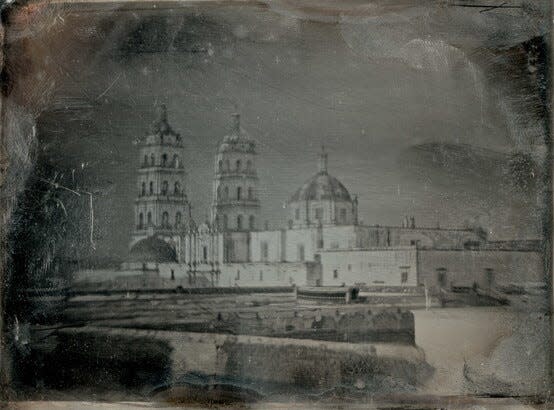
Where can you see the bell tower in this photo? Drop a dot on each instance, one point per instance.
(235, 205)
(161, 205)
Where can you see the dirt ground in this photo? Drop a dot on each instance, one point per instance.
(505, 346)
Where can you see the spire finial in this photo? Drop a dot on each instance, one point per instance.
(160, 124)
(162, 113)
(323, 160)
(236, 123)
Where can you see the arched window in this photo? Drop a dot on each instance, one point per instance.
(227, 165)
(141, 221)
(226, 193)
(205, 253)
(250, 193)
(143, 189)
(178, 217)
(151, 188)
(165, 220)
(249, 165)
(145, 163)
(152, 160)
(252, 222)
(238, 165)
(177, 189)
(300, 252)
(218, 192)
(239, 193)
(164, 160)
(225, 222)
(220, 165)
(149, 218)
(176, 161)
(165, 186)
(239, 222)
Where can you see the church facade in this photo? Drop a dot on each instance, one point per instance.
(321, 244)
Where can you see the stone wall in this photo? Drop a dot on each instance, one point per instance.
(140, 358)
(263, 274)
(385, 266)
(442, 238)
(466, 267)
(272, 242)
(344, 325)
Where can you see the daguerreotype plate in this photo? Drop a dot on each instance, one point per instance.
(287, 204)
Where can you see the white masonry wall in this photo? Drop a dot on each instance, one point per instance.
(371, 267)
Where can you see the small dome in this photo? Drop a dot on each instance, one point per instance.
(322, 186)
(152, 249)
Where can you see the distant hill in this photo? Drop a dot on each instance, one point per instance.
(464, 165)
(459, 159)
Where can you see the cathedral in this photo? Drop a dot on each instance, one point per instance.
(323, 243)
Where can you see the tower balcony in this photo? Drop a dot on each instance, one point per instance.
(255, 203)
(151, 142)
(150, 229)
(162, 197)
(231, 174)
(162, 168)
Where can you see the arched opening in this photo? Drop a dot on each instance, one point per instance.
(151, 188)
(177, 188)
(226, 193)
(249, 165)
(239, 222)
(441, 277)
(220, 165)
(238, 165)
(252, 222)
(152, 160)
(141, 221)
(164, 160)
(218, 192)
(239, 193)
(300, 252)
(145, 162)
(176, 161)
(149, 218)
(165, 186)
(143, 189)
(343, 215)
(250, 193)
(225, 222)
(165, 219)
(205, 253)
(178, 218)
(227, 165)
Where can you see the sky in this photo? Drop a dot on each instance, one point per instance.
(419, 107)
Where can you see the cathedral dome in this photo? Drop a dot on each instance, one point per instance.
(322, 186)
(152, 249)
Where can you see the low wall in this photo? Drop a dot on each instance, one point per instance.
(172, 275)
(347, 325)
(140, 359)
